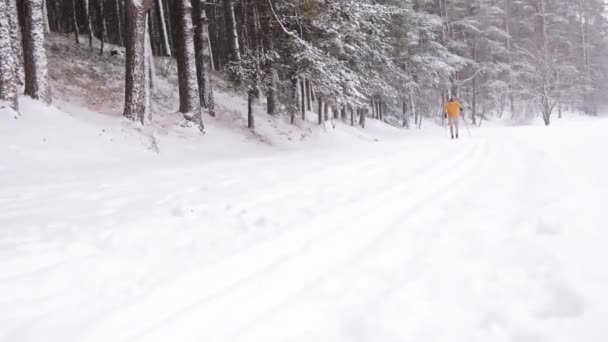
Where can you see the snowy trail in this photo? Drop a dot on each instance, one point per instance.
(486, 239)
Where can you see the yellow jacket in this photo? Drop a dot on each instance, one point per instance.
(453, 109)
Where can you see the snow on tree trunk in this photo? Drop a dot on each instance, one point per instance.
(135, 82)
(203, 62)
(16, 39)
(8, 79)
(163, 27)
(34, 53)
(189, 102)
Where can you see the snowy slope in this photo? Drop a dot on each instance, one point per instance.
(495, 238)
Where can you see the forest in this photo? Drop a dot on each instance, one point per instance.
(392, 60)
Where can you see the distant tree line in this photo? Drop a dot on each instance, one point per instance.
(393, 60)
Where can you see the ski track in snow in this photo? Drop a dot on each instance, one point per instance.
(473, 240)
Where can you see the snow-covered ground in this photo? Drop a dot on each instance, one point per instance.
(499, 237)
(113, 232)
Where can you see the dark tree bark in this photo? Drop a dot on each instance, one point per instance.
(87, 11)
(294, 97)
(163, 25)
(303, 99)
(102, 25)
(271, 73)
(373, 105)
(189, 101)
(362, 117)
(251, 96)
(309, 98)
(119, 21)
(135, 87)
(320, 112)
(74, 21)
(34, 53)
(233, 38)
(203, 62)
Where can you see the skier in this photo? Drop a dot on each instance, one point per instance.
(452, 110)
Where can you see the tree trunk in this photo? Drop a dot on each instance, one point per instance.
(135, 82)
(87, 11)
(303, 99)
(373, 105)
(102, 26)
(294, 98)
(507, 11)
(119, 22)
(189, 102)
(150, 67)
(270, 69)
(233, 37)
(163, 26)
(34, 53)
(74, 21)
(362, 117)
(405, 117)
(45, 14)
(203, 62)
(16, 40)
(413, 110)
(352, 116)
(474, 102)
(148, 63)
(250, 117)
(8, 76)
(320, 112)
(474, 90)
(308, 95)
(343, 113)
(326, 111)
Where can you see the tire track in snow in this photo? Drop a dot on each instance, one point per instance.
(389, 234)
(274, 263)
